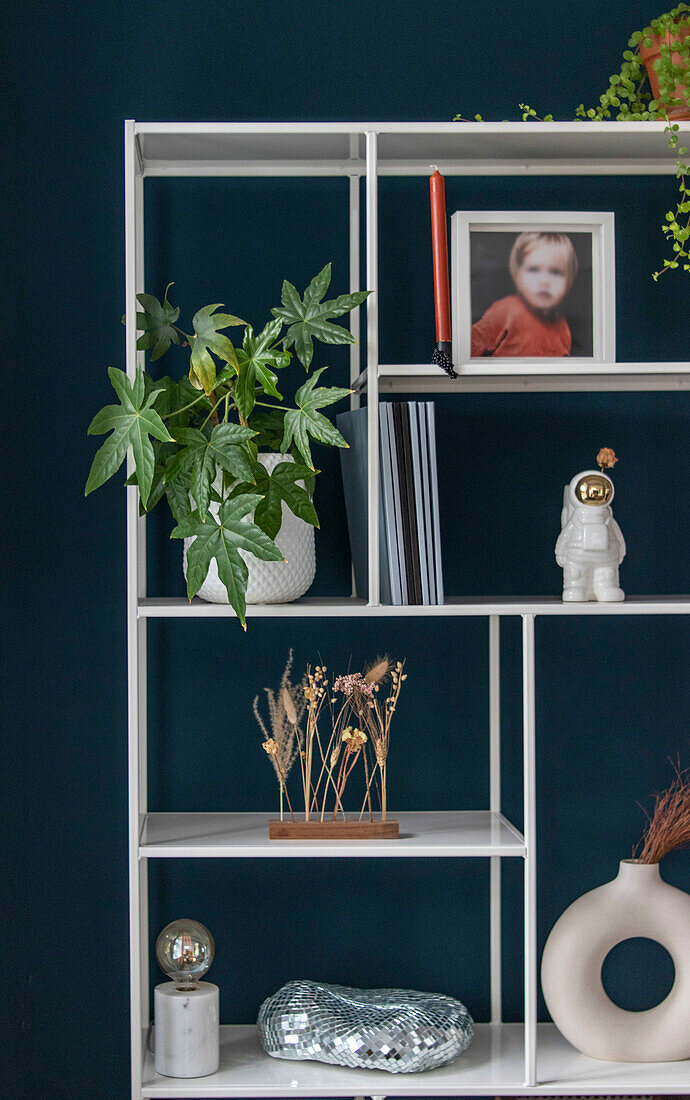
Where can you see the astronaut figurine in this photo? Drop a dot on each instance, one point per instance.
(590, 546)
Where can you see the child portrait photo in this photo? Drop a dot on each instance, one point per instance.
(533, 289)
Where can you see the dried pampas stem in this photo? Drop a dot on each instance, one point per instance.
(289, 706)
(669, 825)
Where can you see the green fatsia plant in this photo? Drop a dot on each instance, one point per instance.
(196, 441)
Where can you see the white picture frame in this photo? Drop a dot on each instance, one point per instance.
(600, 225)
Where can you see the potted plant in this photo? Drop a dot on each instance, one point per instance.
(654, 77)
(665, 56)
(653, 84)
(235, 468)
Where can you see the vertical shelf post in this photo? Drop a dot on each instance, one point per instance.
(142, 625)
(530, 866)
(372, 368)
(355, 268)
(136, 635)
(355, 326)
(495, 807)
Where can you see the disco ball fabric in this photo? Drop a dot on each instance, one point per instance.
(397, 1030)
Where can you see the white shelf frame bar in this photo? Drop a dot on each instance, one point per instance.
(372, 367)
(142, 649)
(136, 637)
(420, 127)
(529, 830)
(441, 835)
(346, 607)
(139, 608)
(392, 168)
(628, 377)
(355, 276)
(355, 318)
(566, 1072)
(495, 913)
(662, 163)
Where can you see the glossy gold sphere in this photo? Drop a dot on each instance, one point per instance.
(594, 489)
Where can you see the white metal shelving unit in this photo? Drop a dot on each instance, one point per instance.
(505, 1059)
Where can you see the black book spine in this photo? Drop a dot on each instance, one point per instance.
(407, 484)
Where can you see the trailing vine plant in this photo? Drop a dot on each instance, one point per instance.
(629, 98)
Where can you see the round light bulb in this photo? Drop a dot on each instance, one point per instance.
(185, 951)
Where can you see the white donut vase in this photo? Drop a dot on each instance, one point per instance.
(636, 903)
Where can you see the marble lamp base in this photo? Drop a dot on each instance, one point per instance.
(187, 1033)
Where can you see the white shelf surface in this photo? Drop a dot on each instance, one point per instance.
(404, 148)
(492, 1066)
(237, 835)
(429, 378)
(177, 607)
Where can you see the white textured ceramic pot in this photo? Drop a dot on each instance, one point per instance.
(636, 903)
(270, 581)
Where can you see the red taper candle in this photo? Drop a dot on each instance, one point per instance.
(439, 244)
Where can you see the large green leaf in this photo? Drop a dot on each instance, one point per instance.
(132, 422)
(157, 487)
(276, 487)
(172, 397)
(305, 421)
(222, 539)
(208, 338)
(269, 426)
(158, 483)
(254, 361)
(177, 493)
(196, 464)
(157, 322)
(310, 317)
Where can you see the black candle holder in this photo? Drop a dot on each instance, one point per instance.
(441, 356)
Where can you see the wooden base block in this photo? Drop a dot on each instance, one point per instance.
(333, 830)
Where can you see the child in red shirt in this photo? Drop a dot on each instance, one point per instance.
(528, 324)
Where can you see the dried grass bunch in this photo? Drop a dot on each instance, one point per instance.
(669, 824)
(285, 710)
(360, 708)
(375, 712)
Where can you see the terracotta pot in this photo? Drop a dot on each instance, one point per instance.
(648, 55)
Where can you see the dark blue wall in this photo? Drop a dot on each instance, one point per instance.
(612, 701)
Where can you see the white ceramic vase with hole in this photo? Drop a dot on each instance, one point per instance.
(636, 903)
(269, 581)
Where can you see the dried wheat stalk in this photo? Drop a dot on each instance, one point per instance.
(375, 715)
(315, 692)
(285, 709)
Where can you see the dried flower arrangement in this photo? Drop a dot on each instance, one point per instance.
(668, 827)
(606, 459)
(357, 709)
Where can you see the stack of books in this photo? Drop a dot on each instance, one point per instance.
(409, 534)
